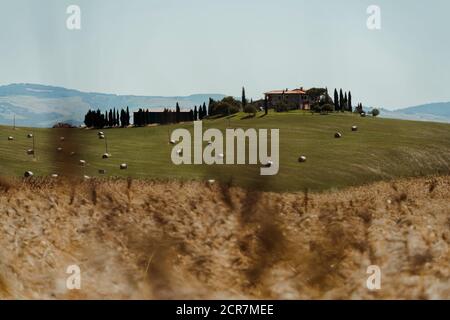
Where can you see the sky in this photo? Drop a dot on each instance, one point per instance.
(183, 47)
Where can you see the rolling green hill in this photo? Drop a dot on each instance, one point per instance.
(381, 149)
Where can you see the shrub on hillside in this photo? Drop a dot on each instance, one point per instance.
(250, 109)
(375, 112)
(225, 107)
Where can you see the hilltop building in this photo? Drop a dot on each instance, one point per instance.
(296, 97)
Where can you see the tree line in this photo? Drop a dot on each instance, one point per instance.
(343, 101)
(111, 118)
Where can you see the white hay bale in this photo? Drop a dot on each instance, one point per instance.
(338, 135)
(28, 174)
(172, 142)
(30, 135)
(86, 177)
(30, 152)
(363, 114)
(123, 166)
(302, 159)
(180, 152)
(10, 138)
(354, 128)
(82, 163)
(101, 171)
(106, 156)
(59, 149)
(268, 164)
(54, 176)
(100, 133)
(101, 137)
(211, 181)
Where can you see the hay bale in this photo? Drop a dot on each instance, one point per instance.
(86, 177)
(363, 114)
(30, 135)
(106, 156)
(10, 138)
(30, 152)
(54, 176)
(101, 137)
(59, 149)
(180, 152)
(354, 128)
(268, 164)
(172, 142)
(28, 174)
(123, 166)
(338, 135)
(82, 163)
(100, 133)
(302, 159)
(101, 171)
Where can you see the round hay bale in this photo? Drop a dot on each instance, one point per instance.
(86, 177)
(180, 152)
(354, 128)
(101, 171)
(28, 174)
(338, 135)
(59, 149)
(30, 135)
(82, 163)
(101, 137)
(106, 156)
(123, 166)
(363, 114)
(30, 152)
(302, 159)
(211, 181)
(54, 176)
(10, 138)
(172, 142)
(268, 164)
(100, 133)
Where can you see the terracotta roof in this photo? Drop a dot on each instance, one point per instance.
(295, 91)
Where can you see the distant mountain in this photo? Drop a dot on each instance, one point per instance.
(439, 112)
(43, 106)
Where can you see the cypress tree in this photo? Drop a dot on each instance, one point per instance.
(349, 102)
(345, 102)
(205, 112)
(341, 101)
(195, 113)
(244, 100)
(336, 100)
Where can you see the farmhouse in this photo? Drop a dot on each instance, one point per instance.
(297, 97)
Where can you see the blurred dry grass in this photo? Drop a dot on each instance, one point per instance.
(175, 240)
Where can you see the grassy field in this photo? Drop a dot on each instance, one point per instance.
(382, 149)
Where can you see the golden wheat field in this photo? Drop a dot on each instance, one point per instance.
(171, 240)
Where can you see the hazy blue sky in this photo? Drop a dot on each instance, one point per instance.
(180, 47)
